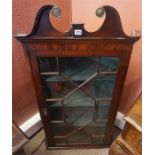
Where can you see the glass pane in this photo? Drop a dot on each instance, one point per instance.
(79, 137)
(98, 140)
(96, 128)
(101, 86)
(78, 69)
(108, 64)
(60, 141)
(55, 111)
(61, 129)
(102, 110)
(78, 109)
(78, 93)
(57, 86)
(48, 64)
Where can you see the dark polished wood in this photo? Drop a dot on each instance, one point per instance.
(108, 41)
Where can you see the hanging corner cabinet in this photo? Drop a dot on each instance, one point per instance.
(78, 78)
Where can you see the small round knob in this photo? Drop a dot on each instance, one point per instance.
(56, 11)
(100, 12)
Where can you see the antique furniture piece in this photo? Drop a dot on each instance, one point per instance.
(18, 138)
(130, 141)
(78, 77)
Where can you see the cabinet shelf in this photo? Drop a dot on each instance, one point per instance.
(79, 115)
(98, 87)
(80, 104)
(80, 78)
(53, 100)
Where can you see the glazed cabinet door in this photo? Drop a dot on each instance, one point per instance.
(78, 93)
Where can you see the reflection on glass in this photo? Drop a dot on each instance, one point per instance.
(108, 64)
(57, 86)
(55, 111)
(61, 129)
(79, 137)
(78, 108)
(98, 140)
(102, 110)
(48, 64)
(96, 128)
(78, 69)
(101, 86)
(59, 141)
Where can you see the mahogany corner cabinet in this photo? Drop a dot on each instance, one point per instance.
(78, 77)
